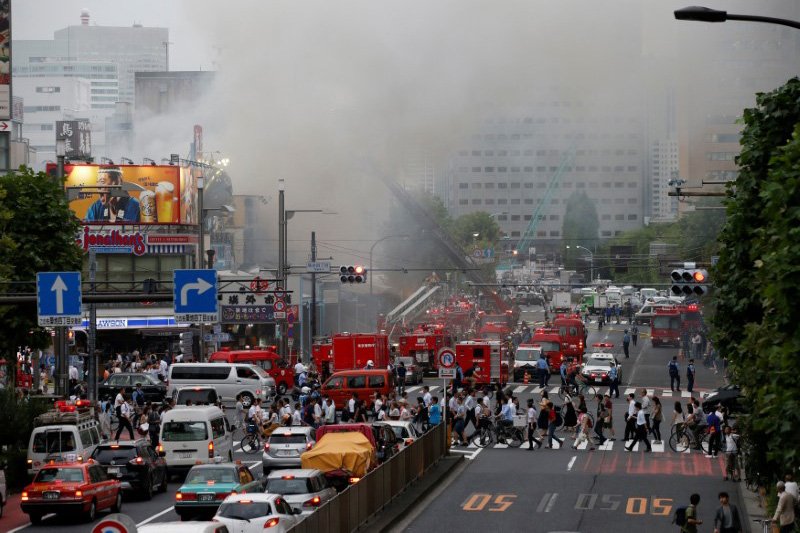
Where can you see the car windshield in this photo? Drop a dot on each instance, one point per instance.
(54, 442)
(297, 485)
(246, 510)
(218, 475)
(144, 379)
(527, 355)
(107, 454)
(201, 396)
(260, 371)
(598, 361)
(666, 322)
(549, 346)
(280, 438)
(400, 432)
(48, 475)
(184, 431)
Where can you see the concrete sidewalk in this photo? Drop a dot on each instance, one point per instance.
(754, 508)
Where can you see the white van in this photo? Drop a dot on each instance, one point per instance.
(195, 434)
(62, 436)
(229, 380)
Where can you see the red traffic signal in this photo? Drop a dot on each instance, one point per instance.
(353, 274)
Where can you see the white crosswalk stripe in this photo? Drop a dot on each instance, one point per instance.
(412, 389)
(520, 389)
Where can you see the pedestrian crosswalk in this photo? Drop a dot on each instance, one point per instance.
(521, 390)
(607, 446)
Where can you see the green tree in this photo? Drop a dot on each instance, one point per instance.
(758, 282)
(37, 234)
(466, 226)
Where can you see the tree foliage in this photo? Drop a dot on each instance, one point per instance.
(37, 234)
(758, 279)
(466, 226)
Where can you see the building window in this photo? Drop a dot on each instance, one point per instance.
(463, 201)
(514, 169)
(528, 201)
(605, 217)
(515, 185)
(515, 201)
(593, 184)
(554, 217)
(555, 233)
(618, 184)
(633, 200)
(463, 185)
(606, 184)
(567, 185)
(502, 201)
(488, 169)
(476, 185)
(527, 217)
(720, 156)
(488, 152)
(541, 234)
(502, 169)
(633, 184)
(515, 234)
(476, 201)
(490, 201)
(619, 200)
(476, 169)
(476, 153)
(592, 168)
(502, 185)
(553, 201)
(502, 217)
(606, 201)
(619, 217)
(632, 217)
(632, 168)
(605, 233)
(488, 185)
(48, 90)
(514, 217)
(580, 185)
(529, 185)
(528, 169)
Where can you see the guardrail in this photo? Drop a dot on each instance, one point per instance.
(356, 504)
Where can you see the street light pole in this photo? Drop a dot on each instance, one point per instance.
(591, 260)
(705, 14)
(60, 345)
(281, 277)
(369, 272)
(313, 316)
(201, 246)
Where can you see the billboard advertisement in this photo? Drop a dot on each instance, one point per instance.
(131, 194)
(5, 59)
(77, 137)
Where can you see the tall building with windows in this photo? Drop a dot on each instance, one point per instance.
(664, 167)
(108, 57)
(523, 169)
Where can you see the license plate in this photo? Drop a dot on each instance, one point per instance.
(286, 453)
(113, 470)
(205, 497)
(185, 455)
(50, 495)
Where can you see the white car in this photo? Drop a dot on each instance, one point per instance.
(596, 366)
(406, 431)
(184, 527)
(304, 489)
(257, 512)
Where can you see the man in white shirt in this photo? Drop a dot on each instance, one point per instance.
(644, 399)
(297, 416)
(163, 368)
(126, 412)
(299, 368)
(318, 416)
(351, 404)
(791, 486)
(378, 404)
(426, 397)
(330, 411)
(73, 373)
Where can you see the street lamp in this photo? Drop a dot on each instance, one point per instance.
(369, 273)
(705, 14)
(591, 260)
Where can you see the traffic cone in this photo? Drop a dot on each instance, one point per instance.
(527, 378)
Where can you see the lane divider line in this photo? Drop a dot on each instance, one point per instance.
(571, 462)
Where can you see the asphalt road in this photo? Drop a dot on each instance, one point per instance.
(566, 490)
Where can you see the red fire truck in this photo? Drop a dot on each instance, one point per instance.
(666, 328)
(549, 339)
(352, 350)
(423, 344)
(573, 335)
(490, 358)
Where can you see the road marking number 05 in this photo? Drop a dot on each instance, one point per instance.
(478, 501)
(633, 505)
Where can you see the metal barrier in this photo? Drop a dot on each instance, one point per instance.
(353, 506)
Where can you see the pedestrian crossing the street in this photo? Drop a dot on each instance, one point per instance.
(607, 446)
(521, 390)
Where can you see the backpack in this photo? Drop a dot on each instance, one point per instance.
(679, 518)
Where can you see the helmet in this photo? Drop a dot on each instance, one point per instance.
(305, 390)
(370, 363)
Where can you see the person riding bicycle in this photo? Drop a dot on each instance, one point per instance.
(507, 415)
(573, 375)
(471, 376)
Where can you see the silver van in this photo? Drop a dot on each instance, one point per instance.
(229, 380)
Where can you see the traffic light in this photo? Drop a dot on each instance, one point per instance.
(689, 282)
(353, 274)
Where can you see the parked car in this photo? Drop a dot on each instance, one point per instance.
(206, 486)
(285, 446)
(305, 489)
(414, 373)
(255, 513)
(387, 442)
(154, 390)
(730, 396)
(197, 395)
(135, 464)
(229, 379)
(71, 488)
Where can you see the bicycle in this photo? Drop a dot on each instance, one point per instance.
(251, 442)
(766, 524)
(683, 437)
(491, 432)
(579, 387)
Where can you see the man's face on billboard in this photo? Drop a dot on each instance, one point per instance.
(106, 179)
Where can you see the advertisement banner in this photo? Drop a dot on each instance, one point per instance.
(5, 59)
(251, 314)
(77, 136)
(113, 241)
(130, 194)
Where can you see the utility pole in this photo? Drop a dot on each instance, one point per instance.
(201, 245)
(60, 344)
(313, 288)
(281, 277)
(92, 341)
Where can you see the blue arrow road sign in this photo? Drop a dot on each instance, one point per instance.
(58, 298)
(195, 295)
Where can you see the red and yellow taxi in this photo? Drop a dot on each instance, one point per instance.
(62, 488)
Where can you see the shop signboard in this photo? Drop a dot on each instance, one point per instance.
(251, 314)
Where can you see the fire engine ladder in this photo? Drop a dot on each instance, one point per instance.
(391, 317)
(454, 252)
(538, 215)
(416, 308)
